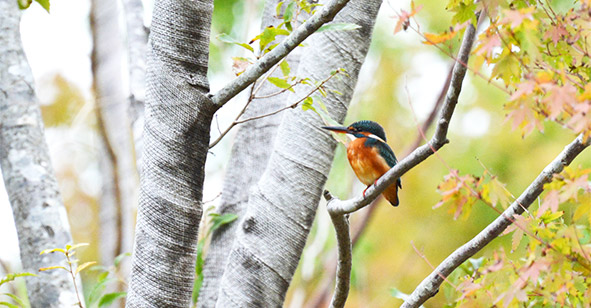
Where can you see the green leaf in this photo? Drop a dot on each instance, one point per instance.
(222, 220)
(120, 258)
(548, 216)
(109, 298)
(289, 10)
(280, 83)
(24, 4)
(197, 288)
(278, 8)
(15, 298)
(508, 68)
(11, 277)
(44, 4)
(228, 39)
(98, 289)
(268, 35)
(338, 26)
(464, 12)
(308, 104)
(8, 305)
(284, 66)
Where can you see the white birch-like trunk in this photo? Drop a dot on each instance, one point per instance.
(282, 206)
(137, 44)
(178, 116)
(39, 213)
(250, 154)
(117, 159)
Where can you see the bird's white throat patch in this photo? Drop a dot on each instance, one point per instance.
(352, 137)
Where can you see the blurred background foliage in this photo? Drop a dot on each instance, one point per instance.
(401, 74)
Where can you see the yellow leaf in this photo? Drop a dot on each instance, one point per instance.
(434, 39)
(76, 246)
(83, 266)
(51, 267)
(46, 251)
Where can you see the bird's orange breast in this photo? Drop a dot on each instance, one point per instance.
(366, 162)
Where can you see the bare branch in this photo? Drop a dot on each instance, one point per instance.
(423, 152)
(341, 226)
(255, 71)
(291, 106)
(430, 285)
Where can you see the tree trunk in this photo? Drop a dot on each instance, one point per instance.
(250, 154)
(137, 43)
(39, 213)
(282, 206)
(117, 159)
(176, 135)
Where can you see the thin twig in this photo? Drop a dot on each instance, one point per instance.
(253, 72)
(291, 106)
(422, 255)
(227, 130)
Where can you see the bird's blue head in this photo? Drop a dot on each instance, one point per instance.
(360, 129)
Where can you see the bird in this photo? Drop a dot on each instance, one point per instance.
(369, 155)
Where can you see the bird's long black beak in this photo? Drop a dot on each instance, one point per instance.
(337, 129)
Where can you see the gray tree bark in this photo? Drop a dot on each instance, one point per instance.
(176, 134)
(39, 213)
(282, 206)
(117, 159)
(250, 154)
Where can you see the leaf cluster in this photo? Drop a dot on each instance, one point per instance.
(549, 266)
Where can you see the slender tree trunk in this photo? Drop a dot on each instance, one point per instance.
(117, 159)
(250, 154)
(137, 43)
(39, 213)
(176, 135)
(282, 206)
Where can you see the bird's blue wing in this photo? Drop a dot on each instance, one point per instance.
(387, 153)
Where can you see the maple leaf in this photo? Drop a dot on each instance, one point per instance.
(240, 64)
(523, 89)
(532, 272)
(556, 33)
(507, 68)
(434, 39)
(487, 44)
(404, 17)
(516, 17)
(551, 201)
(558, 97)
(572, 187)
(496, 193)
(524, 118)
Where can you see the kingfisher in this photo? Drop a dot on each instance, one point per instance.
(369, 155)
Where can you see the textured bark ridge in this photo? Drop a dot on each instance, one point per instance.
(39, 213)
(176, 134)
(250, 154)
(282, 205)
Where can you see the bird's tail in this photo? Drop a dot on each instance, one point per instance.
(391, 194)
